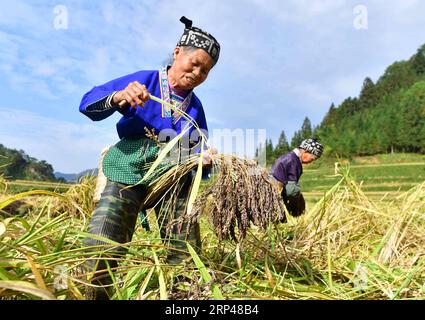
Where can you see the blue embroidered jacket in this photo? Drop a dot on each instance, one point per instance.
(133, 121)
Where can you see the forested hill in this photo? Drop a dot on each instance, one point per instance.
(387, 116)
(16, 164)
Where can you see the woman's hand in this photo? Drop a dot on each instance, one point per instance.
(208, 157)
(134, 94)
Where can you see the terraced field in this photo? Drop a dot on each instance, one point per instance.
(17, 186)
(377, 180)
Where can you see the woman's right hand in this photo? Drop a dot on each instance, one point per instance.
(134, 94)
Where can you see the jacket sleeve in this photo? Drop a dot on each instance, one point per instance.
(97, 105)
(279, 171)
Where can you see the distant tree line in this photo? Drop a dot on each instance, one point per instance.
(282, 146)
(387, 116)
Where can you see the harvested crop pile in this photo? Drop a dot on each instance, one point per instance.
(241, 194)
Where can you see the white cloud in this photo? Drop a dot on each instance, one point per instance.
(298, 11)
(19, 14)
(69, 146)
(310, 91)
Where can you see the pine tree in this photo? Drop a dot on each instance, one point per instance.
(269, 151)
(306, 131)
(418, 62)
(315, 132)
(260, 154)
(412, 122)
(367, 97)
(349, 106)
(330, 116)
(397, 76)
(282, 146)
(269, 146)
(296, 140)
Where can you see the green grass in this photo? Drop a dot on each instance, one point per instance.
(375, 159)
(17, 186)
(392, 173)
(390, 158)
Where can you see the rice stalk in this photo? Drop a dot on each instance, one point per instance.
(161, 278)
(26, 287)
(3, 184)
(206, 277)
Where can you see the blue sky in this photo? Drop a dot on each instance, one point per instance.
(281, 60)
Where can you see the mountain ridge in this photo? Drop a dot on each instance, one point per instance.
(74, 177)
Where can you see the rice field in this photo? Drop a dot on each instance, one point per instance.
(351, 245)
(383, 176)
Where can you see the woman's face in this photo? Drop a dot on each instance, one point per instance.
(307, 157)
(190, 68)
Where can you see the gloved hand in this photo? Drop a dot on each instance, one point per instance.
(292, 189)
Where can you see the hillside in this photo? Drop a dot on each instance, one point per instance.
(74, 177)
(16, 164)
(387, 116)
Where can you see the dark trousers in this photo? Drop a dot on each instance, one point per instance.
(115, 218)
(294, 204)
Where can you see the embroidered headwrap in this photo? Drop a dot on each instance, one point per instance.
(195, 37)
(312, 146)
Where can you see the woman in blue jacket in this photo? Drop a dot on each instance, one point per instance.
(126, 163)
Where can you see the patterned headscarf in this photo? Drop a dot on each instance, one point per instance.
(312, 146)
(195, 37)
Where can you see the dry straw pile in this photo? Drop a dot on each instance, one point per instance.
(376, 247)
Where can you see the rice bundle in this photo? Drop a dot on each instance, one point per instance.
(241, 194)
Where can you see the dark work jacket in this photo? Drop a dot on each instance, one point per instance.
(287, 168)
